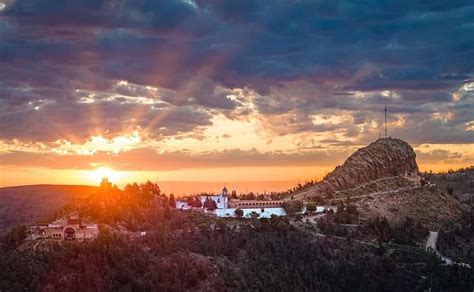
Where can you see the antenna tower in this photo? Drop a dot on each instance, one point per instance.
(385, 121)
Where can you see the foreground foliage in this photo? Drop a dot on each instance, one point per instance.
(187, 251)
(190, 252)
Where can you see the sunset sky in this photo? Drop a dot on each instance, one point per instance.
(228, 91)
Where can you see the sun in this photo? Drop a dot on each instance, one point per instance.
(95, 176)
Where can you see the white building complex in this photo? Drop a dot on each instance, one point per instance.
(225, 207)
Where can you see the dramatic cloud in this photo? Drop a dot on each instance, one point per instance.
(70, 70)
(148, 159)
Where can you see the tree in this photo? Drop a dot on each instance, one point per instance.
(254, 215)
(311, 207)
(298, 218)
(410, 232)
(329, 196)
(352, 209)
(190, 201)
(150, 191)
(151, 188)
(239, 212)
(197, 203)
(381, 228)
(423, 182)
(450, 190)
(210, 204)
(132, 190)
(194, 202)
(15, 236)
(292, 206)
(172, 201)
(318, 200)
(340, 207)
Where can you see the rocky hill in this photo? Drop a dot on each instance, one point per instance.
(374, 178)
(385, 157)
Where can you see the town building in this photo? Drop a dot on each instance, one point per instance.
(247, 212)
(221, 200)
(236, 203)
(225, 206)
(105, 184)
(70, 228)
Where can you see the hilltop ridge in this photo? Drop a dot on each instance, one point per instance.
(385, 157)
(382, 180)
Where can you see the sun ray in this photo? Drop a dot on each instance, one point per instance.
(95, 176)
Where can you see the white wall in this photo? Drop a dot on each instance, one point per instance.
(267, 212)
(220, 200)
(182, 205)
(319, 209)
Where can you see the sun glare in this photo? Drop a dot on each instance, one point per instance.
(95, 176)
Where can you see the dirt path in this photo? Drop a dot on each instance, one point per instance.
(368, 183)
(431, 245)
(390, 192)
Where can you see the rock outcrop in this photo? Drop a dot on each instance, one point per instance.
(373, 177)
(385, 157)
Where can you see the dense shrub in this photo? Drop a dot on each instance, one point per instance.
(292, 206)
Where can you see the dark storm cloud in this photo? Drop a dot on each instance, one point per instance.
(300, 57)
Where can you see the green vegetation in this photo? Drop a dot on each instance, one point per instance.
(15, 237)
(318, 200)
(456, 182)
(457, 241)
(346, 214)
(311, 207)
(239, 212)
(189, 251)
(409, 232)
(380, 227)
(292, 206)
(210, 204)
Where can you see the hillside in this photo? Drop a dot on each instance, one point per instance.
(29, 204)
(427, 205)
(374, 178)
(189, 251)
(460, 182)
(185, 251)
